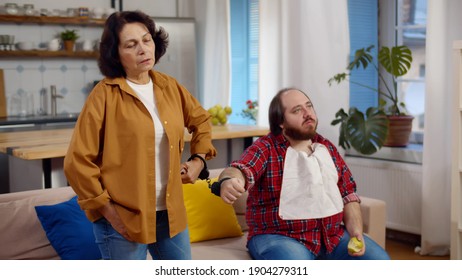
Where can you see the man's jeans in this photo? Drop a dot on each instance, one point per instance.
(280, 247)
(114, 247)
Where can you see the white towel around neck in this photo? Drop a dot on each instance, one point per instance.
(309, 185)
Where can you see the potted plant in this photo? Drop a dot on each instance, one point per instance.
(69, 37)
(384, 125)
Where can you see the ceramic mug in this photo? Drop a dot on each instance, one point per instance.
(87, 45)
(54, 45)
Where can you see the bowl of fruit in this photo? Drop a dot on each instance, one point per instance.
(220, 114)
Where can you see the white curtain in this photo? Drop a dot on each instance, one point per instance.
(213, 49)
(302, 44)
(443, 27)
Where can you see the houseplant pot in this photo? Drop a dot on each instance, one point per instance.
(69, 45)
(399, 130)
(69, 37)
(367, 133)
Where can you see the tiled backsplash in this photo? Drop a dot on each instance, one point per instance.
(73, 77)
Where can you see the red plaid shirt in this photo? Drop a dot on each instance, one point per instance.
(262, 164)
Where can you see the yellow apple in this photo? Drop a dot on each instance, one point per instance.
(355, 245)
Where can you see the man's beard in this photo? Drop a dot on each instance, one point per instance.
(297, 134)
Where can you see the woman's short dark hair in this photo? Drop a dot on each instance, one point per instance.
(109, 60)
(276, 111)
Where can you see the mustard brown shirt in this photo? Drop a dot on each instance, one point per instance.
(111, 156)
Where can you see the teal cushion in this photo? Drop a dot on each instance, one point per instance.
(68, 230)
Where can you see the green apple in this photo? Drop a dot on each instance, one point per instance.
(213, 111)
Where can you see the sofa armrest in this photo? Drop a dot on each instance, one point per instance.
(22, 234)
(374, 219)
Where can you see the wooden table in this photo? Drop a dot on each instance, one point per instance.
(47, 144)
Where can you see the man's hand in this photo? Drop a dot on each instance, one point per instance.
(232, 189)
(356, 246)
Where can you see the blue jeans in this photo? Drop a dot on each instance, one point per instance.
(280, 247)
(115, 247)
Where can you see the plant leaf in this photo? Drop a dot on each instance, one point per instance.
(396, 61)
(366, 134)
(342, 118)
(337, 78)
(362, 58)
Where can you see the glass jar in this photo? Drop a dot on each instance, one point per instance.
(11, 8)
(28, 9)
(83, 12)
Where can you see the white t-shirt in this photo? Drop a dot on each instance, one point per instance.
(146, 94)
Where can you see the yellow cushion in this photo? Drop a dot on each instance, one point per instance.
(208, 216)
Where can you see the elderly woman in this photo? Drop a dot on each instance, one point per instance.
(124, 159)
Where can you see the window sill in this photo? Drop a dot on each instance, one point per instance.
(410, 154)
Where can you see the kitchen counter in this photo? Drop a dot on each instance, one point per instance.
(37, 120)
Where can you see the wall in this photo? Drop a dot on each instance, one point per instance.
(73, 77)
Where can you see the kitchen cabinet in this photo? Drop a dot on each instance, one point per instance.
(456, 189)
(48, 20)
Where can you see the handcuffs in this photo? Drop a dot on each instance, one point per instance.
(215, 188)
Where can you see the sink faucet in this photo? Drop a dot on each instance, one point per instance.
(54, 95)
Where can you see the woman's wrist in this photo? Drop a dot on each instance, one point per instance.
(199, 161)
(204, 174)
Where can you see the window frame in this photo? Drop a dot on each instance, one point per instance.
(391, 34)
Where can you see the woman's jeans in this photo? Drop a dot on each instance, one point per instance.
(280, 247)
(114, 247)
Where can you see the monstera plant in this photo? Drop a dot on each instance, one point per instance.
(368, 132)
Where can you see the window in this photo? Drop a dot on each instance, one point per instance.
(410, 30)
(400, 22)
(244, 56)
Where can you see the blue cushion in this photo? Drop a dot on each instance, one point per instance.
(69, 231)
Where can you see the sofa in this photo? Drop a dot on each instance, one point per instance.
(22, 235)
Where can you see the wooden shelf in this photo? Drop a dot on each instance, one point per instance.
(47, 54)
(51, 20)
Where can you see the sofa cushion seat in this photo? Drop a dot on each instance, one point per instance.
(233, 248)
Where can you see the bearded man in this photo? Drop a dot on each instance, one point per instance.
(302, 202)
